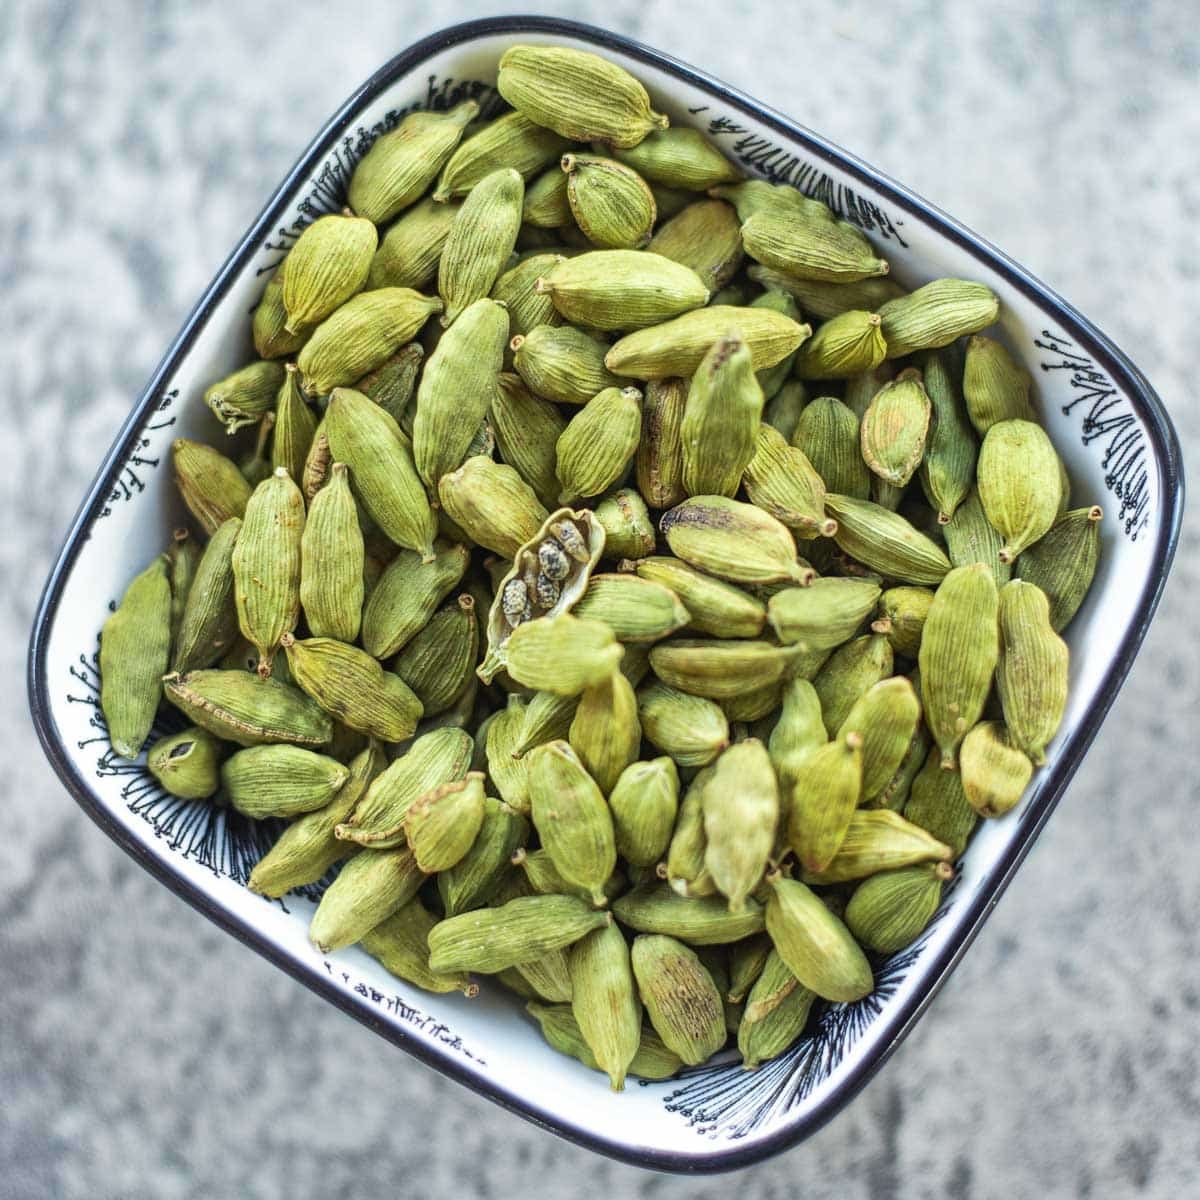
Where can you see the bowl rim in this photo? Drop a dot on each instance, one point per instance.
(1162, 438)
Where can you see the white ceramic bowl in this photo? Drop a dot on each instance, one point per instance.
(1109, 426)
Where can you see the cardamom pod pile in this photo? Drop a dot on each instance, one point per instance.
(632, 590)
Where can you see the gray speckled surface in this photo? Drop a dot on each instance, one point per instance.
(145, 1054)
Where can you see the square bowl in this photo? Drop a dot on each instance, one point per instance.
(1120, 450)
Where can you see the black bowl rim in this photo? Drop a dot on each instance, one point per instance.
(1120, 370)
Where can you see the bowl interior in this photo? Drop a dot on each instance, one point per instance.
(717, 1114)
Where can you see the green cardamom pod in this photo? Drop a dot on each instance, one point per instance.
(995, 386)
(547, 719)
(885, 541)
(328, 264)
(714, 607)
(829, 250)
(546, 205)
(409, 252)
(653, 1059)
(401, 164)
(741, 811)
(512, 141)
(187, 764)
(777, 1010)
(644, 802)
(621, 289)
(635, 609)
(1063, 562)
(699, 921)
(826, 789)
(473, 881)
(894, 428)
(814, 944)
(393, 385)
(401, 945)
(938, 804)
(680, 158)
(371, 886)
(442, 825)
(879, 840)
(783, 410)
(886, 717)
(823, 615)
(970, 538)
(1020, 484)
(937, 314)
(208, 624)
(247, 709)
(959, 650)
(994, 770)
(690, 729)
(948, 468)
(243, 397)
(407, 595)
(799, 730)
(562, 654)
(824, 300)
(598, 443)
(509, 775)
(706, 237)
(331, 561)
(579, 95)
(572, 818)
(562, 364)
(850, 343)
(210, 484)
(492, 504)
(628, 528)
(891, 910)
(527, 431)
(362, 335)
(528, 306)
(905, 610)
(828, 435)
(604, 1000)
(605, 732)
(721, 669)
(266, 565)
(681, 999)
(439, 662)
(280, 781)
(848, 673)
(271, 338)
(678, 346)
(295, 426)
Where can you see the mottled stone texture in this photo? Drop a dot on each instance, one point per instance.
(145, 1054)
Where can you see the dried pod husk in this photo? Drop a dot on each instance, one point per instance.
(456, 388)
(995, 772)
(741, 812)
(879, 840)
(699, 921)
(680, 158)
(473, 881)
(280, 781)
(401, 164)
(435, 758)
(660, 451)
(605, 732)
(382, 472)
(187, 764)
(210, 484)
(371, 886)
(266, 565)
(562, 363)
(777, 1010)
(814, 944)
(611, 203)
(579, 95)
(409, 252)
(438, 663)
(826, 787)
(970, 538)
(407, 595)
(824, 300)
(628, 528)
(362, 335)
(1063, 562)
(824, 614)
(891, 910)
(828, 435)
(808, 247)
(268, 326)
(635, 609)
(644, 802)
(492, 504)
(948, 467)
(706, 237)
(1020, 484)
(621, 289)
(848, 673)
(995, 386)
(327, 265)
(245, 396)
(527, 430)
(1031, 673)
(936, 315)
(511, 141)
(799, 731)
(604, 1000)
(546, 205)
(714, 607)
(894, 429)
(938, 804)
(850, 343)
(905, 610)
(886, 717)
(208, 624)
(596, 447)
(579, 554)
(885, 541)
(959, 650)
(733, 540)
(721, 669)
(331, 562)
(442, 825)
(351, 685)
(401, 945)
(721, 419)
(480, 241)
(691, 730)
(678, 346)
(247, 709)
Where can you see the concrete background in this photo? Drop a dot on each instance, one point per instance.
(145, 1054)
